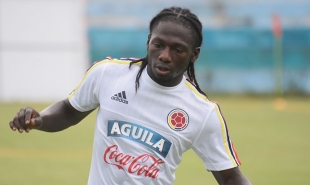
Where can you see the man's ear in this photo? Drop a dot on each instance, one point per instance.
(195, 54)
(147, 42)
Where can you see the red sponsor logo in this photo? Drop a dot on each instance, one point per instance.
(144, 164)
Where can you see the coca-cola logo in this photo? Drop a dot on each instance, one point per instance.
(145, 164)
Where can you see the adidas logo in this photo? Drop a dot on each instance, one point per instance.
(121, 97)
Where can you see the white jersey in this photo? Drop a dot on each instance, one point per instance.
(140, 136)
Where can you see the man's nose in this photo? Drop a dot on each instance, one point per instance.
(165, 55)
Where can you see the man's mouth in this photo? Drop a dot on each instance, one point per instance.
(162, 69)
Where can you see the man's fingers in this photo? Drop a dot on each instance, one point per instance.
(25, 120)
(35, 123)
(32, 119)
(29, 113)
(12, 126)
(16, 123)
(21, 119)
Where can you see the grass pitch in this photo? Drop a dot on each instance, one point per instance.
(270, 136)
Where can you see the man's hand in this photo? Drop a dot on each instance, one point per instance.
(54, 118)
(25, 120)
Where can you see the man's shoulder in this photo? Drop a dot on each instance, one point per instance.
(195, 92)
(121, 61)
(115, 63)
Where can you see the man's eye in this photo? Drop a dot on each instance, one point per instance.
(178, 50)
(157, 45)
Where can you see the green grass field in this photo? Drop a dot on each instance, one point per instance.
(271, 137)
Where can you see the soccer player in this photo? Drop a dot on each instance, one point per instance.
(149, 112)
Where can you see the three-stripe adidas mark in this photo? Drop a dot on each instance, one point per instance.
(121, 97)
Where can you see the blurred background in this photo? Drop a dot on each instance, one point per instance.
(250, 46)
(255, 61)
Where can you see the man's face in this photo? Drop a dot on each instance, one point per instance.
(170, 49)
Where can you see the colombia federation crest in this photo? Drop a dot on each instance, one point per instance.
(177, 119)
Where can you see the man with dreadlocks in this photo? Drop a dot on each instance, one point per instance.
(143, 128)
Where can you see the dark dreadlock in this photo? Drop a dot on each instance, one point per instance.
(186, 18)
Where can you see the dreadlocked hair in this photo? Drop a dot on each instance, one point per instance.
(186, 18)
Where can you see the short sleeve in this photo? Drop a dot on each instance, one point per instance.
(213, 144)
(85, 96)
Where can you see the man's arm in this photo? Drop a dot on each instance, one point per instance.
(56, 117)
(231, 177)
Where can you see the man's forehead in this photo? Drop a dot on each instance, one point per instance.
(174, 29)
(172, 22)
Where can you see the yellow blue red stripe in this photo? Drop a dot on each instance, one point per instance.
(227, 141)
